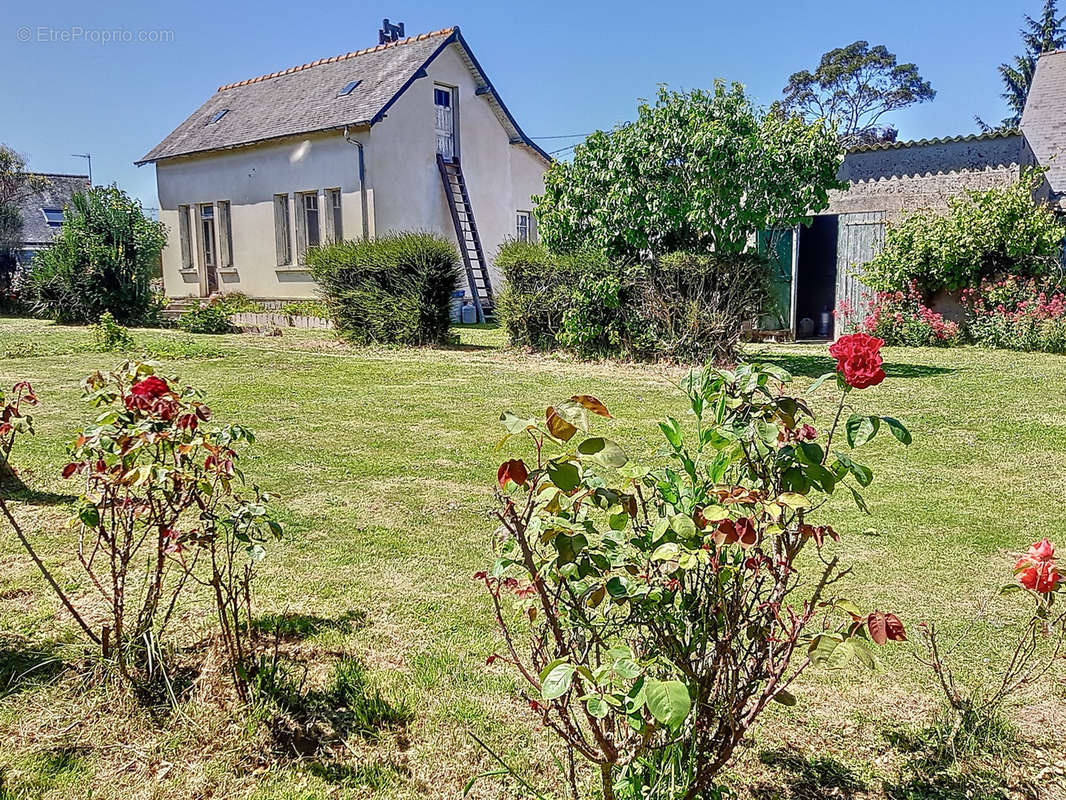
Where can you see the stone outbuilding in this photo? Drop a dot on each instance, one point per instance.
(891, 179)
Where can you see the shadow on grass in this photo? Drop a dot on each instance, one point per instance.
(935, 770)
(23, 666)
(296, 627)
(808, 366)
(309, 724)
(808, 778)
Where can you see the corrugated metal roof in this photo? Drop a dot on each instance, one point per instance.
(305, 99)
(973, 137)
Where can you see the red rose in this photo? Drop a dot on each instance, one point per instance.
(150, 387)
(859, 360)
(1036, 569)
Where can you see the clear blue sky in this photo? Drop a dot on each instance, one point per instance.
(562, 67)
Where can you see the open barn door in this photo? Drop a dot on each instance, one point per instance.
(860, 237)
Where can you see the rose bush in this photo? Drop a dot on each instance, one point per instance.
(653, 612)
(900, 318)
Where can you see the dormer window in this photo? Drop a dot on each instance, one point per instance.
(348, 88)
(53, 216)
(217, 116)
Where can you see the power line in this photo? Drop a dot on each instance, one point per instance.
(561, 150)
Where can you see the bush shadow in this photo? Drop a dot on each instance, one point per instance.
(809, 778)
(290, 627)
(308, 724)
(25, 666)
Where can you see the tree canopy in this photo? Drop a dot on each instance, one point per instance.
(853, 88)
(102, 259)
(700, 171)
(1038, 36)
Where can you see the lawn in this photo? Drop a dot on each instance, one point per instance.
(383, 464)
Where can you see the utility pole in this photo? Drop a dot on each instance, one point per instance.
(88, 158)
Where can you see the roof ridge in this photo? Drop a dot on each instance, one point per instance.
(971, 137)
(343, 57)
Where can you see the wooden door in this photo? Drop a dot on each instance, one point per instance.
(208, 249)
(444, 106)
(860, 237)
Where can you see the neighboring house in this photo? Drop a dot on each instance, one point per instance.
(408, 135)
(42, 213)
(889, 179)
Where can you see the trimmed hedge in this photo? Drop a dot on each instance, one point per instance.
(395, 289)
(682, 307)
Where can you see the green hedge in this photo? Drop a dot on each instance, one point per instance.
(394, 289)
(683, 306)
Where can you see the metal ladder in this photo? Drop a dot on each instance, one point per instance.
(477, 269)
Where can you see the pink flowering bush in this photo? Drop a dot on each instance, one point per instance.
(1017, 314)
(900, 318)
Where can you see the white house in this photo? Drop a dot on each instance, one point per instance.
(408, 135)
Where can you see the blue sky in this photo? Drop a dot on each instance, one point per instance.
(562, 67)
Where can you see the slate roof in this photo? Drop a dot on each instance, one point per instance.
(1044, 117)
(304, 99)
(57, 194)
(973, 137)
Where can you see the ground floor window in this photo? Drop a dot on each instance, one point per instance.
(522, 226)
(225, 234)
(335, 205)
(185, 232)
(207, 235)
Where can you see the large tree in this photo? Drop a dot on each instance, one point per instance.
(1038, 36)
(853, 88)
(701, 171)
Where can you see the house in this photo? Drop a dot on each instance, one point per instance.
(41, 213)
(408, 135)
(821, 263)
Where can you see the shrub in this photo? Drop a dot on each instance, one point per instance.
(693, 307)
(306, 308)
(210, 317)
(240, 303)
(1017, 314)
(984, 234)
(108, 335)
(395, 289)
(653, 613)
(683, 306)
(102, 260)
(161, 493)
(901, 318)
(536, 293)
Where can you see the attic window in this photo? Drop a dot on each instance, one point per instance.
(53, 216)
(348, 89)
(217, 116)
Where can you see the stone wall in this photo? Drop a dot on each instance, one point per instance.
(900, 178)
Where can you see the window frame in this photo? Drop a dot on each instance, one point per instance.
(208, 255)
(527, 216)
(334, 219)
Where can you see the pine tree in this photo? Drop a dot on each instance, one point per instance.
(1038, 36)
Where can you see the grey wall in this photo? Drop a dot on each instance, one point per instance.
(898, 179)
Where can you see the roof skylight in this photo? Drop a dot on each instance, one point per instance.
(217, 116)
(348, 89)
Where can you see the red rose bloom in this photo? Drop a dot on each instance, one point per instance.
(1036, 569)
(859, 360)
(150, 387)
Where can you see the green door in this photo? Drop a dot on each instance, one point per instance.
(776, 245)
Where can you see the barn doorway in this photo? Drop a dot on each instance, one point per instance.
(816, 277)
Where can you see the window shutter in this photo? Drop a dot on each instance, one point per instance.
(532, 227)
(281, 228)
(183, 228)
(225, 239)
(301, 229)
(326, 211)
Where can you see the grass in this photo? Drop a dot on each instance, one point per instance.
(383, 463)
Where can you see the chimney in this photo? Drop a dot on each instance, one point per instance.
(390, 32)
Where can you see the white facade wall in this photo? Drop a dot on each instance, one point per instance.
(403, 186)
